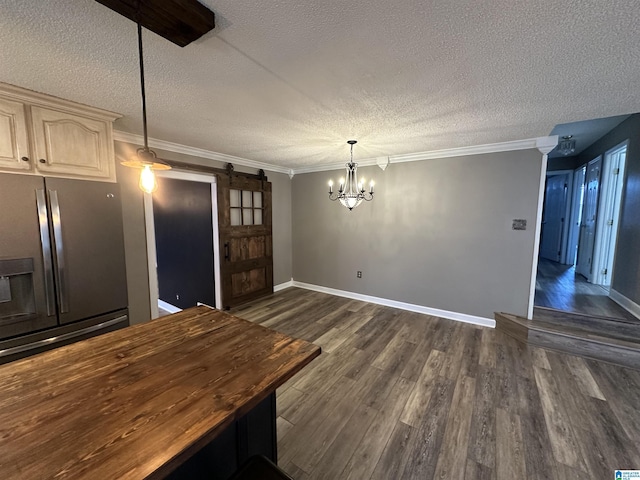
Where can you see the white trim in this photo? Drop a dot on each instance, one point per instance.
(168, 307)
(609, 206)
(536, 238)
(152, 265)
(200, 304)
(282, 286)
(121, 136)
(541, 143)
(460, 317)
(42, 99)
(626, 303)
(382, 162)
(151, 236)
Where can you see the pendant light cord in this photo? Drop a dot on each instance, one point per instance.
(144, 97)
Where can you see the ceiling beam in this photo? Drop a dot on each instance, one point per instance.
(179, 21)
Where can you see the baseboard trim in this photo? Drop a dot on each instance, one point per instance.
(168, 307)
(460, 317)
(282, 286)
(629, 305)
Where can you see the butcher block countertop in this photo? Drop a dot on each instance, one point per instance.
(137, 402)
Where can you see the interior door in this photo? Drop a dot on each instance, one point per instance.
(555, 205)
(86, 220)
(576, 214)
(244, 223)
(184, 242)
(589, 218)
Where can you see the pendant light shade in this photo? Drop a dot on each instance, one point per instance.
(145, 159)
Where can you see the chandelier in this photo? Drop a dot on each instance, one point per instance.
(351, 192)
(145, 158)
(567, 146)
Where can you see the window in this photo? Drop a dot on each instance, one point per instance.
(246, 207)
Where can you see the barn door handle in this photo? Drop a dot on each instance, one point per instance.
(226, 251)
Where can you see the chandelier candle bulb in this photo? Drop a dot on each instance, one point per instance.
(371, 187)
(330, 186)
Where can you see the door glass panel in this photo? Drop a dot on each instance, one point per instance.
(246, 198)
(246, 207)
(247, 217)
(235, 217)
(257, 199)
(235, 198)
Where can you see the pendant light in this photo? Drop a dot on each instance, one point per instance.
(145, 159)
(351, 192)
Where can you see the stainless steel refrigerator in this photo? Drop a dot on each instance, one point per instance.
(62, 270)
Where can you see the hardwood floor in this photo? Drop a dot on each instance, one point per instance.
(399, 395)
(559, 286)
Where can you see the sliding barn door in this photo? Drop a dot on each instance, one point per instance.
(246, 249)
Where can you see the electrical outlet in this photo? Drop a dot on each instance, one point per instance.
(359, 274)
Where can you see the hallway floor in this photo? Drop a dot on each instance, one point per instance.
(560, 287)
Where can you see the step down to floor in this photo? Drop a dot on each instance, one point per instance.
(573, 337)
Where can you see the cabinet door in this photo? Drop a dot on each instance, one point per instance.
(70, 145)
(13, 136)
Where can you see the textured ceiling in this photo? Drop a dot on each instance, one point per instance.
(287, 82)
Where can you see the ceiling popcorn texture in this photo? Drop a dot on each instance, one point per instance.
(289, 82)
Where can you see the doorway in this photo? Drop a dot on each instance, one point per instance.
(555, 212)
(575, 275)
(182, 232)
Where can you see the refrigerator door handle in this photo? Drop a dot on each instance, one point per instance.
(61, 338)
(61, 272)
(45, 242)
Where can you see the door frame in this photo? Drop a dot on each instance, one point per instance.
(609, 201)
(564, 242)
(151, 237)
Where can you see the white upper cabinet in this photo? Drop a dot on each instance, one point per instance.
(14, 146)
(49, 136)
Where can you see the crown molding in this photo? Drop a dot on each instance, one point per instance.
(525, 144)
(121, 136)
(44, 100)
(540, 143)
(546, 144)
(543, 144)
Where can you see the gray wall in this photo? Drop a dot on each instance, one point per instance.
(438, 233)
(135, 232)
(626, 269)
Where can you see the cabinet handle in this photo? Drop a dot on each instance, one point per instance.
(42, 160)
(25, 159)
(226, 251)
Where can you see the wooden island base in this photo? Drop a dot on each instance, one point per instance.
(187, 395)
